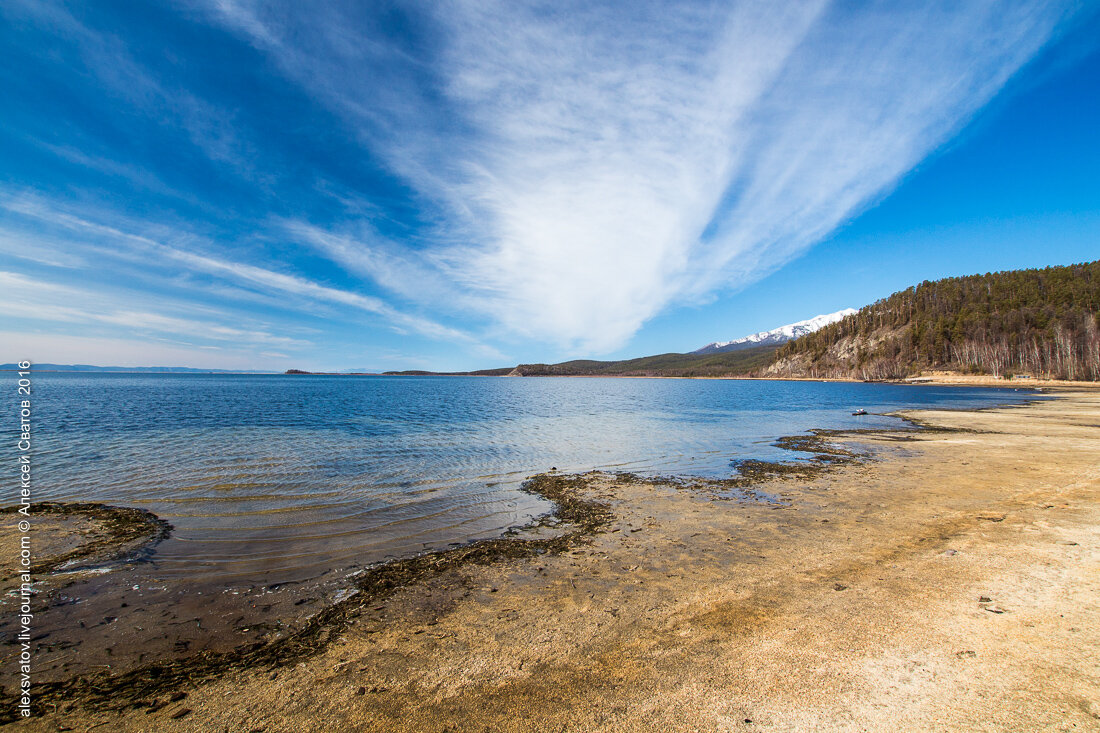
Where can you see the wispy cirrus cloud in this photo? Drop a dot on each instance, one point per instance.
(31, 299)
(136, 351)
(135, 244)
(414, 276)
(585, 166)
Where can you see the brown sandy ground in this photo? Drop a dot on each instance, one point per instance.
(951, 584)
(988, 380)
(955, 379)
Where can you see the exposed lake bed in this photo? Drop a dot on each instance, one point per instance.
(661, 543)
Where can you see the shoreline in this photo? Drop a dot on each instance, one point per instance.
(123, 533)
(230, 625)
(418, 605)
(142, 687)
(938, 379)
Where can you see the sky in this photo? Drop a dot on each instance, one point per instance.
(460, 185)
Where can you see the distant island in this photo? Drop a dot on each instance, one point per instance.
(1038, 322)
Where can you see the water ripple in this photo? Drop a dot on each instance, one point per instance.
(277, 475)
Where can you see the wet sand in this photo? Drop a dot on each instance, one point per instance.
(948, 582)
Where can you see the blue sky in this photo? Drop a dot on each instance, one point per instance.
(331, 185)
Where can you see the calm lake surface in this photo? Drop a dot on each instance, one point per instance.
(277, 475)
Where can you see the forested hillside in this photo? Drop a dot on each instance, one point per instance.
(1038, 322)
(662, 365)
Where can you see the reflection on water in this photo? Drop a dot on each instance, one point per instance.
(289, 475)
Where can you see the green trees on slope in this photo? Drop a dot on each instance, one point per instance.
(1041, 322)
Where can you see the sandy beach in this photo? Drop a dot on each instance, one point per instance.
(947, 580)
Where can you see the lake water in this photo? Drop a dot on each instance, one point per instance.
(280, 476)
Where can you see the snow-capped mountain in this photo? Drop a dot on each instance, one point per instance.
(779, 335)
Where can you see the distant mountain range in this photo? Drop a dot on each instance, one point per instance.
(153, 370)
(776, 336)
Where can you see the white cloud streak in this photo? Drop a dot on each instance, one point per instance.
(589, 167)
(266, 280)
(125, 352)
(28, 298)
(368, 254)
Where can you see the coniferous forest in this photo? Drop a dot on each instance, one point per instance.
(1042, 323)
